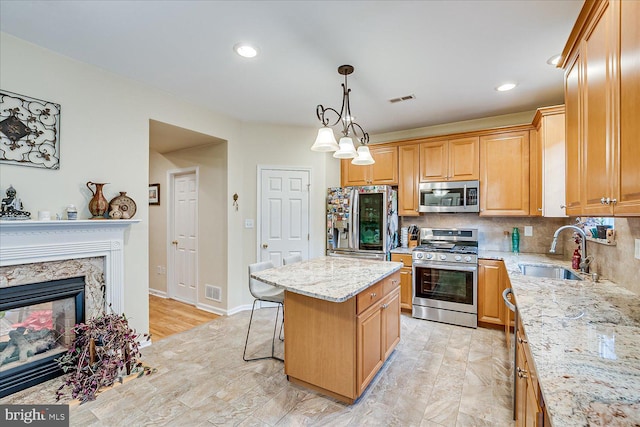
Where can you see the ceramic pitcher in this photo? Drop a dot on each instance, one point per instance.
(98, 204)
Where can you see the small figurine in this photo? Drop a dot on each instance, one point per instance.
(12, 206)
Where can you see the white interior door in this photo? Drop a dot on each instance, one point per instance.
(284, 214)
(185, 244)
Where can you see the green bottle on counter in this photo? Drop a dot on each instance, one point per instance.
(515, 240)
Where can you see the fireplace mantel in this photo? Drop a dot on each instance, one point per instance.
(26, 242)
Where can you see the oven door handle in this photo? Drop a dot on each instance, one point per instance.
(453, 267)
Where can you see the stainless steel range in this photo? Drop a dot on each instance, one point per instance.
(445, 276)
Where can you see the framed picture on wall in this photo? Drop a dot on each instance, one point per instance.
(154, 194)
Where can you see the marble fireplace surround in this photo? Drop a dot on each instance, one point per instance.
(34, 251)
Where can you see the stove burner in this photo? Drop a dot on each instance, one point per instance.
(446, 247)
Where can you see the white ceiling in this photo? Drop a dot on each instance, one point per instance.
(450, 54)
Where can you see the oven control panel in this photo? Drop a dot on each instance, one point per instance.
(444, 257)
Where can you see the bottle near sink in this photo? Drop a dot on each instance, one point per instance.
(575, 261)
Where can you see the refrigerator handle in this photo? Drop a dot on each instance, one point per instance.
(354, 220)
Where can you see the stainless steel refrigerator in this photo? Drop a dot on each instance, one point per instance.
(362, 221)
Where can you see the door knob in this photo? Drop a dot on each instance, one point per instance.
(265, 246)
(175, 242)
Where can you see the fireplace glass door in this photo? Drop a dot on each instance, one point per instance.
(36, 327)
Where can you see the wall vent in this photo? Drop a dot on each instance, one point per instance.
(213, 293)
(402, 98)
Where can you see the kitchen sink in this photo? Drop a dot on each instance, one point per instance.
(549, 271)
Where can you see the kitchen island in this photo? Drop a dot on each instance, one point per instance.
(583, 341)
(342, 321)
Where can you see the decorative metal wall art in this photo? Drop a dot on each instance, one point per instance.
(29, 131)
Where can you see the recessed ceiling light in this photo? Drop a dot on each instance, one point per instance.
(554, 60)
(506, 86)
(245, 50)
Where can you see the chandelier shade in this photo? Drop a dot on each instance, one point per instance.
(364, 157)
(347, 150)
(326, 140)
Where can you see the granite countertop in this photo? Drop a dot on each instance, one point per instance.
(584, 341)
(333, 279)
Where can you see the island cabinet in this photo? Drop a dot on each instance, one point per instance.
(406, 280)
(383, 172)
(504, 174)
(530, 408)
(337, 348)
(492, 281)
(408, 182)
(602, 97)
(450, 160)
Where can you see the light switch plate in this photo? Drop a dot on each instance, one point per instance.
(248, 223)
(637, 255)
(528, 230)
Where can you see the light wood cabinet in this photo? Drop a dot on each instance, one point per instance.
(504, 174)
(602, 96)
(383, 172)
(337, 348)
(406, 280)
(378, 333)
(492, 281)
(408, 183)
(573, 150)
(547, 163)
(530, 409)
(450, 160)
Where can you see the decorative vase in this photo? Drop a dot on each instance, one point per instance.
(122, 207)
(98, 204)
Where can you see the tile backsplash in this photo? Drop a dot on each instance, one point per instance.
(491, 230)
(616, 263)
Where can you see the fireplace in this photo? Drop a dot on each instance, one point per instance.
(72, 270)
(37, 328)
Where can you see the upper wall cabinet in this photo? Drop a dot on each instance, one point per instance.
(504, 174)
(547, 163)
(451, 160)
(602, 97)
(383, 172)
(408, 184)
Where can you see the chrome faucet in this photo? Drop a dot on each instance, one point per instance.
(584, 266)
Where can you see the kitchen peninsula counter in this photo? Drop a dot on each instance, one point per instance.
(341, 321)
(583, 338)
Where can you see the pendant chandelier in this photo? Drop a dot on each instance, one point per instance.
(326, 141)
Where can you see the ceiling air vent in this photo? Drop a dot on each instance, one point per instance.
(402, 98)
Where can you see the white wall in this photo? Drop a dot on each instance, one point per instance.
(269, 145)
(104, 137)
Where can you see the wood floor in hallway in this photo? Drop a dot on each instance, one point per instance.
(168, 317)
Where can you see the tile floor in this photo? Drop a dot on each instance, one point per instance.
(439, 375)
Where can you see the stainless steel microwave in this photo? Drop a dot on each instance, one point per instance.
(450, 196)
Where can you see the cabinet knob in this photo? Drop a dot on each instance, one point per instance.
(521, 341)
(614, 201)
(265, 246)
(175, 242)
(373, 294)
(384, 306)
(563, 206)
(539, 209)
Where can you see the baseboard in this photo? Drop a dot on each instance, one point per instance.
(211, 309)
(238, 309)
(158, 293)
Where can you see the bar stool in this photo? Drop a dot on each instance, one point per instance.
(263, 292)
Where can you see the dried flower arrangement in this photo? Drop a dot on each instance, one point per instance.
(103, 351)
